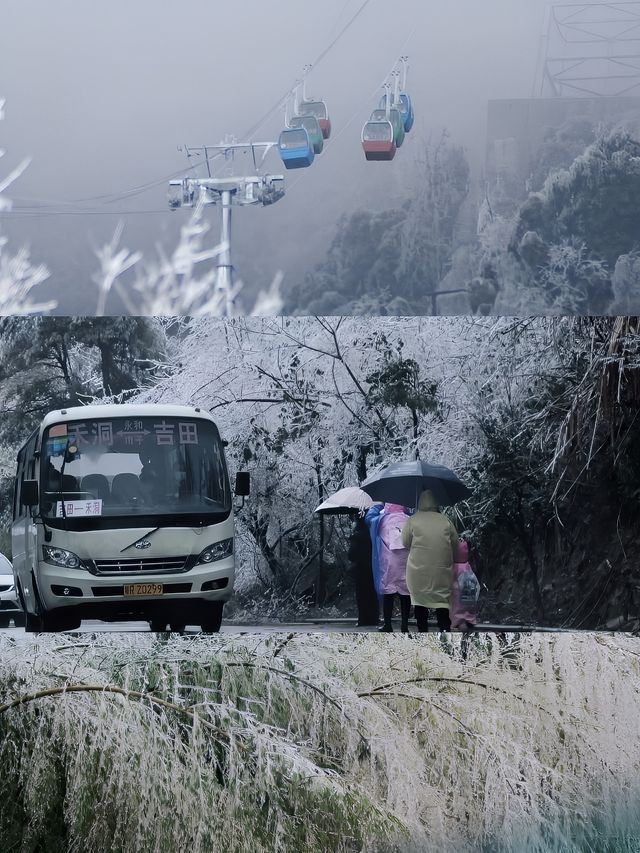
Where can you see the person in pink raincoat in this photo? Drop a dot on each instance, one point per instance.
(464, 591)
(393, 566)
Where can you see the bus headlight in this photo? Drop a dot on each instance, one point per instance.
(218, 551)
(60, 557)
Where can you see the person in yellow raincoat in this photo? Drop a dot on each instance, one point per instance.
(431, 539)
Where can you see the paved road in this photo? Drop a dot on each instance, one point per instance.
(326, 626)
(96, 627)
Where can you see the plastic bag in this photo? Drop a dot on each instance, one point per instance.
(468, 589)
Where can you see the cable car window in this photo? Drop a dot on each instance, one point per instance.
(295, 138)
(377, 132)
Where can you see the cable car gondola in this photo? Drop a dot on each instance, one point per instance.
(378, 140)
(312, 126)
(296, 150)
(319, 110)
(393, 115)
(404, 106)
(406, 111)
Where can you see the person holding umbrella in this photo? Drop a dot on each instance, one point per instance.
(360, 554)
(428, 535)
(353, 502)
(431, 539)
(390, 561)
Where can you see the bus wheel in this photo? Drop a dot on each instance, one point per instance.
(19, 620)
(157, 626)
(32, 623)
(55, 622)
(177, 627)
(4, 621)
(212, 617)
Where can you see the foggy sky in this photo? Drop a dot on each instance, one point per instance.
(101, 94)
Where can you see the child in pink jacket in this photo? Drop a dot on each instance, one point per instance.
(465, 590)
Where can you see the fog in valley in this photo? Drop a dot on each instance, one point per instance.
(100, 97)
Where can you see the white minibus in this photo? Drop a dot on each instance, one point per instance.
(124, 512)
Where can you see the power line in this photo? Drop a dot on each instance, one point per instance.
(39, 213)
(318, 60)
(110, 198)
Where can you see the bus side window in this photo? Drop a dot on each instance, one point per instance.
(17, 508)
(31, 465)
(26, 471)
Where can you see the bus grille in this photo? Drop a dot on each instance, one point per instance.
(157, 566)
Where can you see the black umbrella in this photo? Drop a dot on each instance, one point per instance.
(404, 482)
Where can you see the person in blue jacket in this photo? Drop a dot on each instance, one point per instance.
(373, 519)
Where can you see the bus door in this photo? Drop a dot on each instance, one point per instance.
(24, 533)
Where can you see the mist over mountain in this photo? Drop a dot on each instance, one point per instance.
(101, 98)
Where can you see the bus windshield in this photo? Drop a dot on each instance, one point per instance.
(147, 466)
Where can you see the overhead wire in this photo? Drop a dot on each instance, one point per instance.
(110, 198)
(328, 145)
(314, 64)
(41, 214)
(354, 115)
(346, 5)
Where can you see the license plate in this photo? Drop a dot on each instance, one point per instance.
(143, 589)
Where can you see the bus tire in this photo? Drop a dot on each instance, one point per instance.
(19, 620)
(157, 626)
(54, 622)
(211, 618)
(32, 623)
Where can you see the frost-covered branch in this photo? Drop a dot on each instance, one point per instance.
(18, 276)
(181, 284)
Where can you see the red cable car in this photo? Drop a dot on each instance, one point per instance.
(378, 140)
(319, 110)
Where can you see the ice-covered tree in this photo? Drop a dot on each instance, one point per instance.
(389, 262)
(18, 276)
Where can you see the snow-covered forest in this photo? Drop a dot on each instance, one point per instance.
(561, 240)
(326, 743)
(538, 416)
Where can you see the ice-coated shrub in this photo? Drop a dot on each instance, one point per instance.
(320, 742)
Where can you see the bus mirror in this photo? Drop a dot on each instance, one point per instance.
(29, 493)
(243, 484)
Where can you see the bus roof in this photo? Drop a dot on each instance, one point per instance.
(124, 410)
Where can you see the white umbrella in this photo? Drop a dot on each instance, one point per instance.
(344, 501)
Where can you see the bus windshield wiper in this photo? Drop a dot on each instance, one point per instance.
(139, 539)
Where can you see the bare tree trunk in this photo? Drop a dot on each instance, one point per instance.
(527, 543)
(321, 585)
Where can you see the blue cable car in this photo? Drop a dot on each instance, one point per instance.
(404, 106)
(296, 149)
(406, 111)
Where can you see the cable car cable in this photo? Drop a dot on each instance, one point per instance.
(110, 198)
(318, 60)
(141, 188)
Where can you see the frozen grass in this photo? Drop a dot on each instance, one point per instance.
(320, 742)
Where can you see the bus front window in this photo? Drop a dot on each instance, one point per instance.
(143, 466)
